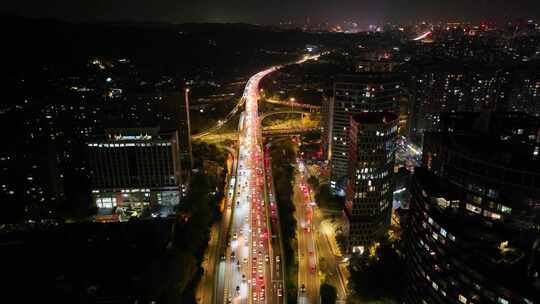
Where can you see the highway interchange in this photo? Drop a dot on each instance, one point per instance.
(246, 246)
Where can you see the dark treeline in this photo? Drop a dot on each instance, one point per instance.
(139, 260)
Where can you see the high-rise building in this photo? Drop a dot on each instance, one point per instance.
(136, 170)
(370, 186)
(441, 88)
(525, 95)
(472, 234)
(354, 94)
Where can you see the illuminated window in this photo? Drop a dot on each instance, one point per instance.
(505, 209)
(443, 232)
(473, 208)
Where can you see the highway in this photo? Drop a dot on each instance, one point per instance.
(245, 268)
(289, 131)
(422, 36)
(248, 270)
(293, 104)
(242, 100)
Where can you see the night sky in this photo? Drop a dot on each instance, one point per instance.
(274, 11)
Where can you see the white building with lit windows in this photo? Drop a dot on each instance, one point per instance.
(136, 172)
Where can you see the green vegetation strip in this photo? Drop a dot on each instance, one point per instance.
(283, 156)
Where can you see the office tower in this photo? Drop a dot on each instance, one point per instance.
(472, 234)
(370, 186)
(136, 170)
(354, 94)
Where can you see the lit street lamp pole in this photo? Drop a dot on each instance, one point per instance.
(186, 98)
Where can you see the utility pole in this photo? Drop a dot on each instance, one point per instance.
(186, 98)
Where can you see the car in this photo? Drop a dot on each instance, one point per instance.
(280, 292)
(303, 288)
(235, 236)
(243, 277)
(222, 257)
(237, 290)
(245, 260)
(277, 258)
(312, 269)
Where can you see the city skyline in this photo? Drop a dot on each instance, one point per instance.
(299, 11)
(198, 163)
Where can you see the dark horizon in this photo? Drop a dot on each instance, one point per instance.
(272, 12)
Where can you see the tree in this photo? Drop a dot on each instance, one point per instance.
(378, 277)
(328, 294)
(327, 199)
(313, 182)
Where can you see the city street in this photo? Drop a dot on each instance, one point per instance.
(408, 155)
(278, 273)
(308, 278)
(204, 289)
(329, 258)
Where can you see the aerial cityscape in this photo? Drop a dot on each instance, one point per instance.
(248, 152)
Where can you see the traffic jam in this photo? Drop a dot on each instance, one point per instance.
(252, 258)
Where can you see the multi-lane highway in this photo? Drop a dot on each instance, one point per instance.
(250, 270)
(245, 271)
